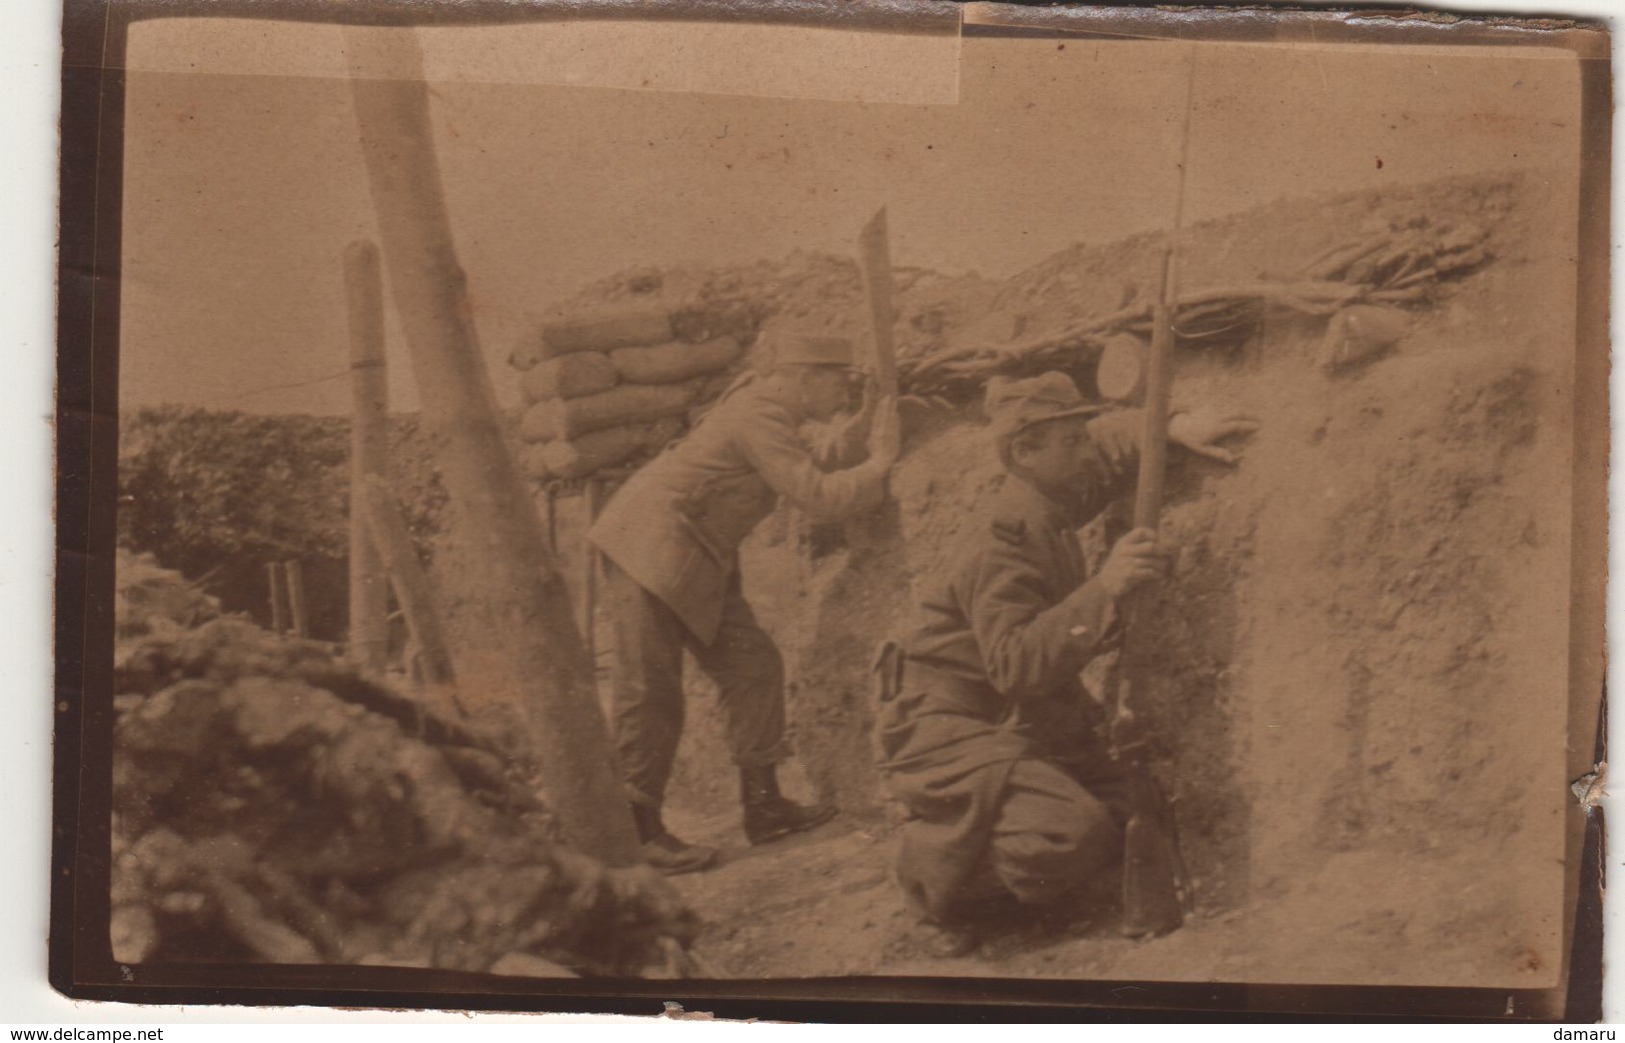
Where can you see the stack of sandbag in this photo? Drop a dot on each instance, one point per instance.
(603, 388)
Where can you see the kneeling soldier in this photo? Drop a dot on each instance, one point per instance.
(985, 731)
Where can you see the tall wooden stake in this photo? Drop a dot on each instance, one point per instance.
(279, 597)
(295, 572)
(369, 453)
(537, 662)
(552, 497)
(387, 533)
(594, 497)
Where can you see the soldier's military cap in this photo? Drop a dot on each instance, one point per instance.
(1014, 405)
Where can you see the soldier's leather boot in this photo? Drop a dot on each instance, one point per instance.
(768, 814)
(664, 851)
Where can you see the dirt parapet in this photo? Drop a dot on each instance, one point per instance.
(272, 805)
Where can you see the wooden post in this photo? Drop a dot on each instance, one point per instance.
(369, 453)
(874, 247)
(884, 525)
(279, 604)
(589, 554)
(295, 573)
(552, 495)
(387, 533)
(538, 666)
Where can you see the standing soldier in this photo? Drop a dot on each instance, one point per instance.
(671, 536)
(985, 731)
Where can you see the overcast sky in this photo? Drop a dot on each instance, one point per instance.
(241, 190)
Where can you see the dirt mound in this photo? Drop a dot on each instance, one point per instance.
(271, 804)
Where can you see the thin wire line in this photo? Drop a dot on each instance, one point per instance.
(284, 387)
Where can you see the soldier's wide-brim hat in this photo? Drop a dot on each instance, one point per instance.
(1014, 405)
(808, 350)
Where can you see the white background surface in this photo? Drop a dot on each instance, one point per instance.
(29, 66)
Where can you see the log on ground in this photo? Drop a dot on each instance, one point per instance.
(672, 363)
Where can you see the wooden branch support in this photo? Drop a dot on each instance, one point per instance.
(279, 596)
(412, 590)
(533, 665)
(369, 453)
(294, 571)
(1390, 267)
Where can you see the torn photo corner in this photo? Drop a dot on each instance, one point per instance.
(592, 507)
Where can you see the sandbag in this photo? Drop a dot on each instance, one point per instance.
(569, 376)
(670, 363)
(1360, 332)
(605, 331)
(558, 419)
(536, 425)
(581, 456)
(658, 435)
(1120, 370)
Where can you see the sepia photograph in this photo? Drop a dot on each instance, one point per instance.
(935, 499)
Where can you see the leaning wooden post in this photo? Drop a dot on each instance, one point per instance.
(552, 517)
(594, 498)
(536, 659)
(369, 453)
(279, 603)
(295, 573)
(387, 533)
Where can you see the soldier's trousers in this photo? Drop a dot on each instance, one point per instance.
(646, 675)
(1052, 835)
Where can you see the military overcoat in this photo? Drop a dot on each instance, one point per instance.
(676, 525)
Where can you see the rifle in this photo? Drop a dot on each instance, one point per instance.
(1156, 887)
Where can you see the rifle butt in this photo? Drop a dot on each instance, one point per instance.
(1153, 870)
